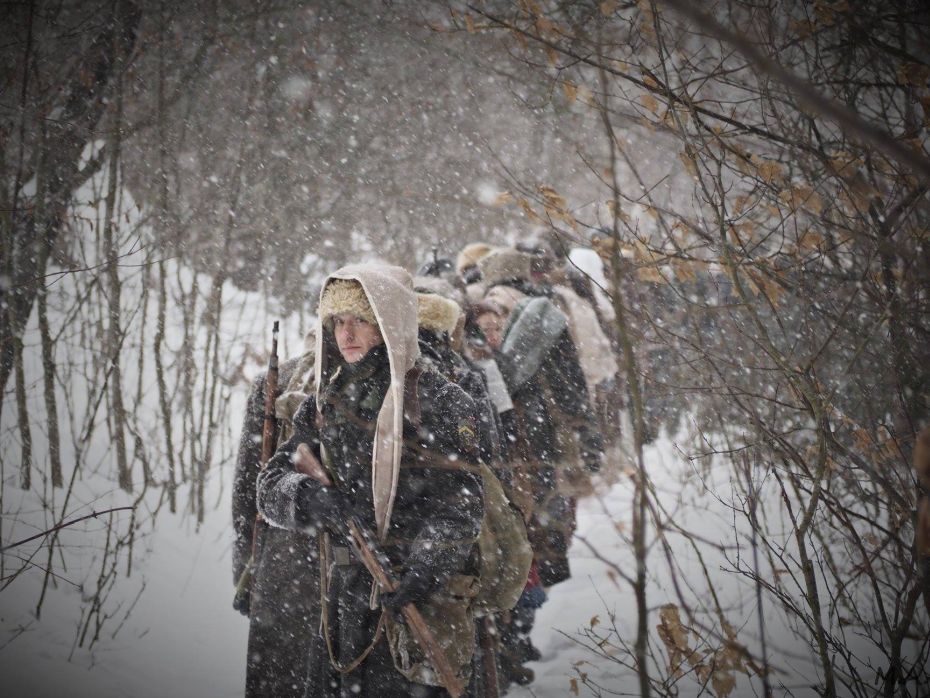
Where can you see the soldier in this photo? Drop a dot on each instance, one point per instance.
(279, 587)
(392, 435)
(573, 294)
(551, 427)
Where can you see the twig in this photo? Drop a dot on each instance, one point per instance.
(92, 515)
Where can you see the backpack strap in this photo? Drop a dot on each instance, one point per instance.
(412, 397)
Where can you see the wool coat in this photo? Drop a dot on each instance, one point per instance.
(284, 608)
(394, 436)
(436, 517)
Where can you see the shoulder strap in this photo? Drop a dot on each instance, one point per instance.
(411, 396)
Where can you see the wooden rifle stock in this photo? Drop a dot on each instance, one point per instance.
(378, 567)
(487, 633)
(374, 562)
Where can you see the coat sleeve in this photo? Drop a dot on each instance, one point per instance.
(450, 498)
(289, 499)
(279, 485)
(247, 467)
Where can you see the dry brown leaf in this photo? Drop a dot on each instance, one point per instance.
(811, 241)
(469, 24)
(739, 204)
(618, 212)
(586, 96)
(650, 274)
(530, 213)
(553, 56)
(801, 27)
(723, 682)
(766, 284)
(824, 13)
(502, 199)
(674, 636)
(770, 172)
(552, 197)
(571, 92)
(595, 621)
(684, 270)
(687, 159)
(608, 7)
(544, 26)
(573, 686)
(914, 74)
(650, 102)
(604, 248)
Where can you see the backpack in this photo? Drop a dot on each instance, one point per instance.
(504, 552)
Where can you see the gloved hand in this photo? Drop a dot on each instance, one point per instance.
(415, 586)
(318, 506)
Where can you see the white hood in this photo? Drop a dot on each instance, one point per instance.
(390, 293)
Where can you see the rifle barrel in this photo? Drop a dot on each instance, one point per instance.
(271, 389)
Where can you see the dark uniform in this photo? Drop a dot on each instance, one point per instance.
(436, 516)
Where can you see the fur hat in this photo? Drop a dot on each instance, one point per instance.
(439, 286)
(345, 296)
(471, 255)
(503, 264)
(436, 313)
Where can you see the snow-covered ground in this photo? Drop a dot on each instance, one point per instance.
(183, 638)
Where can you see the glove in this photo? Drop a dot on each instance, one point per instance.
(318, 505)
(415, 586)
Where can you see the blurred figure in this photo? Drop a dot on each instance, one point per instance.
(550, 428)
(555, 277)
(467, 267)
(282, 598)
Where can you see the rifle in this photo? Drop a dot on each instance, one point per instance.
(378, 566)
(243, 597)
(487, 634)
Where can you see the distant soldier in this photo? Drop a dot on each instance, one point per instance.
(573, 294)
(466, 265)
(551, 426)
(441, 323)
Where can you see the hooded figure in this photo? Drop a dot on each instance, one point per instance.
(394, 437)
(284, 596)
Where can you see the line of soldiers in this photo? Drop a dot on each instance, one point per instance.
(406, 387)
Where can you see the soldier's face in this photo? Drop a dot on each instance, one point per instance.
(354, 336)
(492, 327)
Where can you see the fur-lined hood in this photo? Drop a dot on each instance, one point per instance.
(389, 291)
(437, 314)
(505, 264)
